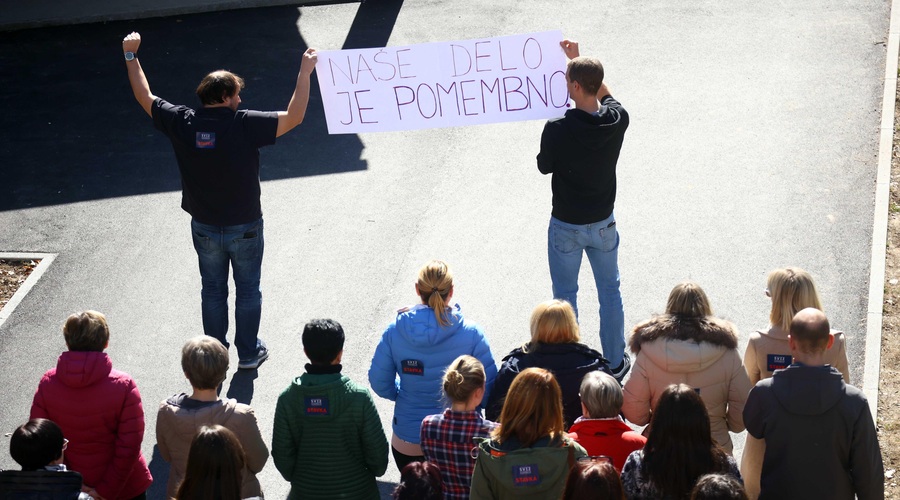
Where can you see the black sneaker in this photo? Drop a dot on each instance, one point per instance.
(620, 371)
(262, 354)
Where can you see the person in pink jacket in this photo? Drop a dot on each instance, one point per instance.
(791, 289)
(688, 345)
(98, 409)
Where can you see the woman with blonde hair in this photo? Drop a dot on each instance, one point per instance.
(791, 289)
(688, 345)
(448, 438)
(409, 361)
(529, 456)
(555, 345)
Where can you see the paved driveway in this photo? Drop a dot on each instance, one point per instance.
(752, 146)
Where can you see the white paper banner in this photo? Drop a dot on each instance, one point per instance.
(444, 84)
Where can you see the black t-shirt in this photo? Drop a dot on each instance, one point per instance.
(217, 150)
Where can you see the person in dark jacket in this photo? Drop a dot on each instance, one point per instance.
(581, 150)
(555, 346)
(38, 447)
(820, 435)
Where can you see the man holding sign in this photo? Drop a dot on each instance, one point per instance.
(581, 150)
(217, 149)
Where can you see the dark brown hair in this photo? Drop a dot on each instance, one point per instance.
(420, 481)
(680, 447)
(590, 480)
(218, 86)
(214, 466)
(587, 71)
(718, 487)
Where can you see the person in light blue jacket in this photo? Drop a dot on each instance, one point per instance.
(414, 351)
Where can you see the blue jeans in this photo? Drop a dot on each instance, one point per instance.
(566, 243)
(239, 247)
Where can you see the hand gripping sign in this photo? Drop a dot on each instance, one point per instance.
(444, 84)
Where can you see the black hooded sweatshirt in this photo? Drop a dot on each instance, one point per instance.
(581, 150)
(820, 436)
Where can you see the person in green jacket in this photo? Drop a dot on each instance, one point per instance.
(324, 423)
(529, 455)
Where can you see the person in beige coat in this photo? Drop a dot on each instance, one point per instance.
(791, 289)
(205, 363)
(688, 345)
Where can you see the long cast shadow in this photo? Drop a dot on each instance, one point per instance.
(73, 132)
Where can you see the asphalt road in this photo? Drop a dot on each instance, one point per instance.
(752, 146)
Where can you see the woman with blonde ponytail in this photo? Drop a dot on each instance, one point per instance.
(447, 438)
(409, 362)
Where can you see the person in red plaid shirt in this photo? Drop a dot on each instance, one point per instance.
(447, 438)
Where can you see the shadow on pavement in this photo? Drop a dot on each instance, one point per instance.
(385, 488)
(241, 386)
(72, 130)
(159, 469)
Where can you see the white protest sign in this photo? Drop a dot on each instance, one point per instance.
(444, 84)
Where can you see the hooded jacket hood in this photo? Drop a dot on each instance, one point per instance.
(681, 344)
(180, 417)
(81, 368)
(419, 327)
(810, 391)
(202, 412)
(524, 473)
(593, 131)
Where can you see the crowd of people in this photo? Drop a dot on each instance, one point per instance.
(551, 422)
(562, 429)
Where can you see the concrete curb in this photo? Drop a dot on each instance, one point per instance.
(45, 260)
(874, 317)
(46, 13)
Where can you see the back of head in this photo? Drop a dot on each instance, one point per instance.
(601, 394)
(214, 466)
(791, 289)
(463, 377)
(810, 331)
(218, 86)
(554, 322)
(323, 340)
(718, 487)
(420, 481)
(587, 71)
(688, 299)
(680, 434)
(36, 444)
(532, 409)
(590, 480)
(435, 284)
(86, 331)
(204, 361)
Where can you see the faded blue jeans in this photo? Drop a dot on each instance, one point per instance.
(239, 248)
(566, 243)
